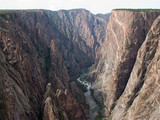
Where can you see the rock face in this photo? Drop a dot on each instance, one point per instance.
(126, 31)
(40, 48)
(42, 52)
(104, 16)
(140, 99)
(86, 31)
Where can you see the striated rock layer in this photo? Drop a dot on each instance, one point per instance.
(126, 31)
(141, 98)
(40, 48)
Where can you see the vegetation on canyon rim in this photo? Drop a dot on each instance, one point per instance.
(139, 10)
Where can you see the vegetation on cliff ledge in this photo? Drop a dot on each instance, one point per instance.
(139, 10)
(20, 10)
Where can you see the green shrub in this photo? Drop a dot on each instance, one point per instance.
(139, 10)
(99, 103)
(3, 17)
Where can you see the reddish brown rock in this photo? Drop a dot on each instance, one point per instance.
(126, 31)
(35, 51)
(66, 101)
(52, 111)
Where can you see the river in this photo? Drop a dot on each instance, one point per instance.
(93, 107)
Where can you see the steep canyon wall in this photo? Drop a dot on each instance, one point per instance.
(116, 72)
(41, 53)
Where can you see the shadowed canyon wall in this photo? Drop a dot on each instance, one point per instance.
(41, 53)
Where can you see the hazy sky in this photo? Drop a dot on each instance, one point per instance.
(95, 6)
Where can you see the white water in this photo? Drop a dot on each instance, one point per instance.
(84, 82)
(93, 107)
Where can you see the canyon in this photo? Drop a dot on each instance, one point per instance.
(42, 53)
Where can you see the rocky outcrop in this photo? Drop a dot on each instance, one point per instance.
(38, 47)
(57, 103)
(126, 31)
(140, 99)
(66, 101)
(51, 109)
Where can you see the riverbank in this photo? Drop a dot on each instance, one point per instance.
(93, 107)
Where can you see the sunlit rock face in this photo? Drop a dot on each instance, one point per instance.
(126, 31)
(38, 47)
(140, 99)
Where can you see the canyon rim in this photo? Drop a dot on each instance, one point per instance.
(44, 53)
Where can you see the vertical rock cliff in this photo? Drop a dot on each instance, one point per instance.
(41, 53)
(126, 31)
(140, 99)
